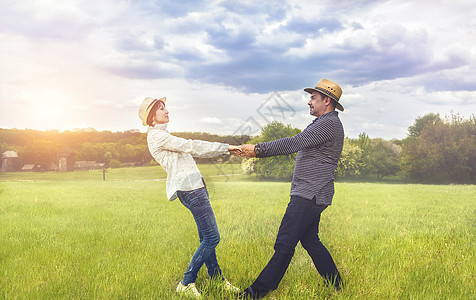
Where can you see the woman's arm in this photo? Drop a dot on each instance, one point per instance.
(197, 148)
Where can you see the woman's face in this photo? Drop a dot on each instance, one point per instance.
(161, 114)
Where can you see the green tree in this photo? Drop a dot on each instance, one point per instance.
(39, 152)
(282, 166)
(351, 160)
(442, 152)
(128, 153)
(87, 151)
(383, 158)
(364, 157)
(142, 153)
(365, 143)
(4, 147)
(114, 163)
(107, 158)
(422, 122)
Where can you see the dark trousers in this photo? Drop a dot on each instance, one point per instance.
(300, 223)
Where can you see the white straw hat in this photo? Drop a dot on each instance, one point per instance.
(146, 106)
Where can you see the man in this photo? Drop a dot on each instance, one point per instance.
(318, 148)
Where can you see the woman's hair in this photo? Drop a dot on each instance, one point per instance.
(151, 115)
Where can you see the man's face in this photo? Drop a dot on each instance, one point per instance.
(317, 105)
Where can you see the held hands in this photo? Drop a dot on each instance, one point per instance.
(235, 150)
(247, 150)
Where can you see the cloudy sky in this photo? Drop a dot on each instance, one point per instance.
(232, 66)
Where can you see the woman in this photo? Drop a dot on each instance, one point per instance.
(185, 182)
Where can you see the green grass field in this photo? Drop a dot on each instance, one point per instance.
(74, 236)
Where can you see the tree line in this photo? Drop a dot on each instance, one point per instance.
(436, 150)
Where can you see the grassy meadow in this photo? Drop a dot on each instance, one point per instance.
(74, 236)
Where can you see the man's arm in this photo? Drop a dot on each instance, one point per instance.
(313, 135)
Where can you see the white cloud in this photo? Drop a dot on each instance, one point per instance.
(209, 120)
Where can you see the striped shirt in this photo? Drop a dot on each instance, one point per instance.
(318, 148)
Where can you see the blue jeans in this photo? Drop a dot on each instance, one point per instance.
(198, 202)
(300, 223)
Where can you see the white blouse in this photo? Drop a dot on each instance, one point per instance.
(176, 154)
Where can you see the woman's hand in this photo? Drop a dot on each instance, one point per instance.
(235, 150)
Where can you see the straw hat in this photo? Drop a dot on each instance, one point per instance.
(146, 106)
(328, 88)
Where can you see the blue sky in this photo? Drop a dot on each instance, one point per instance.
(221, 64)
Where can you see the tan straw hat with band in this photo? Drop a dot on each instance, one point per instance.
(146, 106)
(328, 88)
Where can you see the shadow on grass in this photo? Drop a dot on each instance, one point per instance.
(369, 179)
(373, 179)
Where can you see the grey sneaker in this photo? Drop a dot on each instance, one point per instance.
(188, 290)
(230, 287)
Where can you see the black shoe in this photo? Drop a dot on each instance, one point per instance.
(247, 294)
(335, 282)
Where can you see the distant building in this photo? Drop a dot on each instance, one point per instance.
(10, 161)
(31, 168)
(65, 159)
(85, 165)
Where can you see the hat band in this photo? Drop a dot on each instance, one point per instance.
(327, 93)
(153, 103)
(147, 111)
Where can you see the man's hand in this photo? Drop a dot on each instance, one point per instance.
(235, 150)
(248, 150)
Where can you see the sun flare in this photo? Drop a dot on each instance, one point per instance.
(50, 111)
